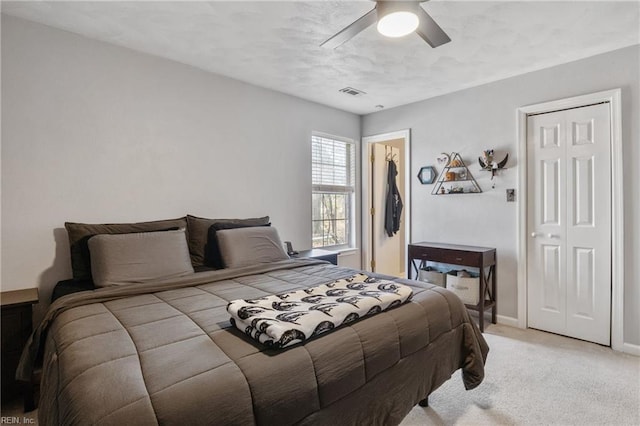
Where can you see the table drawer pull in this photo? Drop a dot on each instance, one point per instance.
(458, 258)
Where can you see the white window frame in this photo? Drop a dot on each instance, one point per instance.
(349, 189)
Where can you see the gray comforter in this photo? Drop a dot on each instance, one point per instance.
(165, 353)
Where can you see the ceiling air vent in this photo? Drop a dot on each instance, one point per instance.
(351, 91)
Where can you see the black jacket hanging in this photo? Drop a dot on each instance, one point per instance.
(393, 208)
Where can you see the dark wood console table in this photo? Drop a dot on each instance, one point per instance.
(477, 257)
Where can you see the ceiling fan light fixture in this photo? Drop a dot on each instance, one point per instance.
(397, 18)
(398, 24)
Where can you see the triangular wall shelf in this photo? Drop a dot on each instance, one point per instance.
(456, 178)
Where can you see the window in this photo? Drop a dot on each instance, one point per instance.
(333, 173)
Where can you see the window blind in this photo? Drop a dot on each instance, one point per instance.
(333, 165)
(333, 171)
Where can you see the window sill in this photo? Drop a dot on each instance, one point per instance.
(347, 251)
(340, 250)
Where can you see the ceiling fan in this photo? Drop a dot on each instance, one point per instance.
(395, 19)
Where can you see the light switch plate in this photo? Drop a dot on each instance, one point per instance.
(511, 195)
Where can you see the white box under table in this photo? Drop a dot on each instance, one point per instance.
(466, 288)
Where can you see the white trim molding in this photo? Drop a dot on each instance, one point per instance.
(631, 349)
(367, 143)
(510, 321)
(613, 97)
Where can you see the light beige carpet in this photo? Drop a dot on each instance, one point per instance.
(532, 378)
(537, 378)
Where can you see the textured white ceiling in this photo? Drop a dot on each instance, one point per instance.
(276, 44)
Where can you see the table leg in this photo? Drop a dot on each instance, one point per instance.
(494, 293)
(29, 397)
(483, 283)
(411, 266)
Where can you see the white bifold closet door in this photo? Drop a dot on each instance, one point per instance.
(569, 222)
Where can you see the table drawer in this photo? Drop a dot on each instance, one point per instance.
(456, 257)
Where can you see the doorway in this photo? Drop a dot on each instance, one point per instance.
(385, 246)
(571, 259)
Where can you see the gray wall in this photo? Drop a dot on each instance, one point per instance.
(485, 117)
(92, 132)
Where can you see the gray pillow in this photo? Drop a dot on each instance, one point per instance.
(248, 246)
(80, 233)
(212, 256)
(198, 232)
(133, 258)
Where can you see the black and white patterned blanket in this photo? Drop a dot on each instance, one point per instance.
(286, 319)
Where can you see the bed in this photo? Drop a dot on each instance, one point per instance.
(163, 351)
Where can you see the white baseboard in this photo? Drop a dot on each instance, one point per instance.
(631, 349)
(628, 348)
(510, 321)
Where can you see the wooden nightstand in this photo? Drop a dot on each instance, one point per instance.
(17, 325)
(329, 256)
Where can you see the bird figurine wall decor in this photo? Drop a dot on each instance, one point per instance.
(487, 162)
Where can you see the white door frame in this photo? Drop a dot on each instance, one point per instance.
(367, 142)
(617, 198)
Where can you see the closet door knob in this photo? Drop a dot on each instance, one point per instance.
(535, 234)
(553, 236)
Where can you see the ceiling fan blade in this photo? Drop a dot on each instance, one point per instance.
(430, 31)
(350, 31)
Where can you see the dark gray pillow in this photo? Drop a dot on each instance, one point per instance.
(249, 246)
(79, 234)
(198, 232)
(121, 259)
